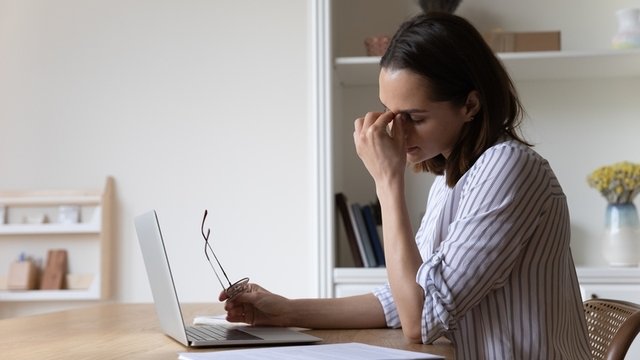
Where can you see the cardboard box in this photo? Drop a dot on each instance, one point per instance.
(503, 41)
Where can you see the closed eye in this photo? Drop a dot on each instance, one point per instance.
(413, 117)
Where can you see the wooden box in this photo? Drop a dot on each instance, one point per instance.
(23, 275)
(503, 41)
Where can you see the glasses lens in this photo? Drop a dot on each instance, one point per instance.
(238, 287)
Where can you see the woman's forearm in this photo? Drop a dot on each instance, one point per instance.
(402, 260)
(353, 312)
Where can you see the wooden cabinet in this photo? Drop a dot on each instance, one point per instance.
(347, 88)
(610, 283)
(34, 224)
(595, 282)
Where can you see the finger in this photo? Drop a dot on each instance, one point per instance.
(400, 129)
(236, 315)
(380, 123)
(248, 314)
(357, 125)
(397, 127)
(371, 122)
(372, 118)
(223, 296)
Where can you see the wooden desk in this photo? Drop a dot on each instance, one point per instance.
(132, 331)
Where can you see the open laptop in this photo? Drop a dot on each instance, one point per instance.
(168, 305)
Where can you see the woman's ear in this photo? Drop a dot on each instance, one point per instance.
(472, 104)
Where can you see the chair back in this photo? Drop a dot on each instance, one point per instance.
(612, 325)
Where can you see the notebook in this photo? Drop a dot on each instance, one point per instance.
(168, 306)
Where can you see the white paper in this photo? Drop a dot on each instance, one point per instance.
(347, 351)
(211, 320)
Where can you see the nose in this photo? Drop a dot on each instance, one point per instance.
(407, 128)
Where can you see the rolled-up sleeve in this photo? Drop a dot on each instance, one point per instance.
(383, 294)
(437, 294)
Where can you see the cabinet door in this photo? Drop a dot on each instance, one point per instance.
(627, 292)
(354, 289)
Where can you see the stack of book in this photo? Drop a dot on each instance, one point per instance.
(361, 226)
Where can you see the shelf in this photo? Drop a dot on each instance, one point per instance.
(360, 275)
(363, 71)
(612, 275)
(49, 229)
(49, 295)
(609, 275)
(89, 253)
(45, 198)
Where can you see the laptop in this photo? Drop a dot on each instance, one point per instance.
(168, 306)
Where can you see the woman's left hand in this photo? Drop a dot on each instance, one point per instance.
(380, 144)
(256, 306)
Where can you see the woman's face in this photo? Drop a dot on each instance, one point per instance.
(431, 127)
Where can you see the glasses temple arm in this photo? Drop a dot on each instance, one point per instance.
(207, 245)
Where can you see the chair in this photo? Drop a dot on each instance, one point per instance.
(612, 325)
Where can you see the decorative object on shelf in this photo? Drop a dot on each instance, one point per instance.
(628, 35)
(376, 45)
(54, 274)
(79, 281)
(448, 6)
(68, 214)
(3, 214)
(38, 218)
(619, 184)
(505, 41)
(23, 274)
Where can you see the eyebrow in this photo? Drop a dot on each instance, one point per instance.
(407, 111)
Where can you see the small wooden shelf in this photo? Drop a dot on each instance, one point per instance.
(47, 198)
(88, 243)
(544, 65)
(49, 295)
(28, 229)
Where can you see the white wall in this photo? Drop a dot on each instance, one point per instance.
(189, 105)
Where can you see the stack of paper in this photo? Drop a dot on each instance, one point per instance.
(348, 351)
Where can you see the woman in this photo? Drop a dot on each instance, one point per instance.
(490, 266)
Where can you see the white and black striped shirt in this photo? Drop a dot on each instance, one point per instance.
(498, 275)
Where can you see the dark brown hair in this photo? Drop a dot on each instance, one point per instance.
(454, 60)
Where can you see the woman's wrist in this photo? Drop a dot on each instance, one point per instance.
(391, 188)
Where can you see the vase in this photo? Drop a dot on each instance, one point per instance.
(628, 35)
(622, 235)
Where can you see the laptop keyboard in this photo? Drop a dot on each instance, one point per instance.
(217, 332)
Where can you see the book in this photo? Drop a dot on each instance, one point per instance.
(374, 236)
(366, 249)
(343, 207)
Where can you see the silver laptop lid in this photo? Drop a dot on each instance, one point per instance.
(160, 278)
(168, 307)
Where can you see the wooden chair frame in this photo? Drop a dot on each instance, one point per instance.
(612, 325)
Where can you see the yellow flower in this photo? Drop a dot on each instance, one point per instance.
(618, 183)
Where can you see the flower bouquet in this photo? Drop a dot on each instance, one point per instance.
(618, 183)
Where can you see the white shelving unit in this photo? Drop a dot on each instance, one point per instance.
(88, 242)
(26, 229)
(547, 65)
(346, 82)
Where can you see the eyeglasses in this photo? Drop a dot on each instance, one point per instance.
(233, 289)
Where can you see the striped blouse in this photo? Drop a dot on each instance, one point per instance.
(498, 275)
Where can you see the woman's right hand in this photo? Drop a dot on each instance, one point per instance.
(380, 144)
(256, 306)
